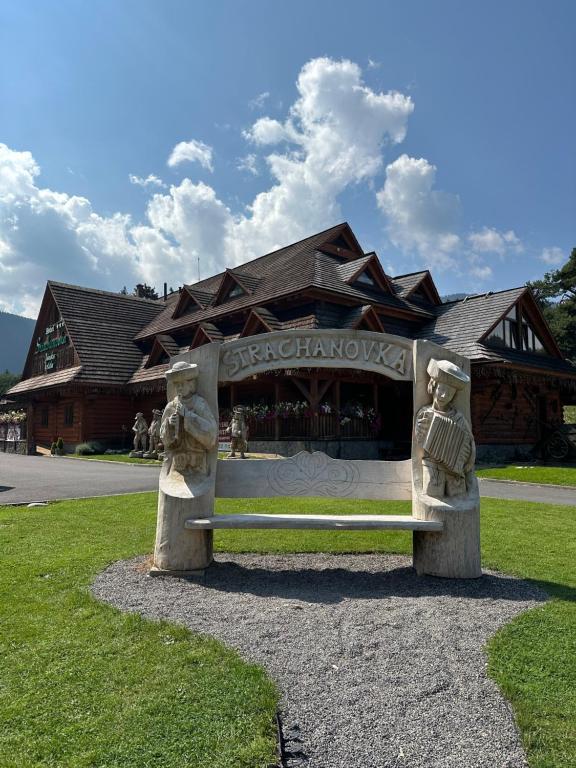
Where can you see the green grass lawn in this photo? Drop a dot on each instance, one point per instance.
(83, 685)
(531, 474)
(122, 457)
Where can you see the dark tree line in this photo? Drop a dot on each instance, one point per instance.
(7, 380)
(142, 290)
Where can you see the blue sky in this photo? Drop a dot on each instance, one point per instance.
(443, 132)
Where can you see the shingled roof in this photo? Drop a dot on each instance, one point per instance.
(46, 380)
(404, 284)
(289, 270)
(460, 325)
(106, 328)
(102, 326)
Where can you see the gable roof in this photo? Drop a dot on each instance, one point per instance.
(461, 326)
(407, 285)
(350, 271)
(101, 326)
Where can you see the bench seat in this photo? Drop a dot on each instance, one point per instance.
(318, 522)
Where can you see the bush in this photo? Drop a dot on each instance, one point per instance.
(60, 446)
(89, 449)
(84, 449)
(53, 449)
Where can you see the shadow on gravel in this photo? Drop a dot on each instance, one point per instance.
(332, 585)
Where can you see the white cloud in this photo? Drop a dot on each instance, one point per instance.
(149, 181)
(51, 235)
(374, 64)
(332, 138)
(490, 240)
(248, 163)
(419, 217)
(269, 131)
(553, 256)
(479, 270)
(336, 131)
(259, 101)
(191, 152)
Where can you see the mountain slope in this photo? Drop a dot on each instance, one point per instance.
(15, 335)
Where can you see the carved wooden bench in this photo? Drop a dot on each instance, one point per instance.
(445, 528)
(313, 474)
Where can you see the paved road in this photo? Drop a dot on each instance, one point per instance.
(43, 478)
(548, 494)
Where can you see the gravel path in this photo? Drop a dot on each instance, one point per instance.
(377, 667)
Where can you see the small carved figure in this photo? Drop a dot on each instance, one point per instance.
(188, 429)
(140, 430)
(444, 434)
(154, 435)
(238, 432)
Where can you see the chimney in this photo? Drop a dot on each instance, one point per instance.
(165, 291)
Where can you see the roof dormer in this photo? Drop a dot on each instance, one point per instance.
(260, 320)
(190, 300)
(205, 334)
(234, 285)
(163, 348)
(365, 273)
(343, 243)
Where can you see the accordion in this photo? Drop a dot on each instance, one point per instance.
(448, 444)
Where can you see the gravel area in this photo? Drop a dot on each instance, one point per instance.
(377, 667)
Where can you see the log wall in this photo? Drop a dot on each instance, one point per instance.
(44, 434)
(506, 413)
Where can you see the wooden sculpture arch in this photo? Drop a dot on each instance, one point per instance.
(445, 530)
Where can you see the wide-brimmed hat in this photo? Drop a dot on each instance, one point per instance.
(182, 370)
(445, 372)
(238, 409)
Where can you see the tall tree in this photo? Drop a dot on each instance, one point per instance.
(144, 291)
(556, 292)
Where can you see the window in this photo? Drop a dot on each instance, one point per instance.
(366, 279)
(515, 332)
(69, 415)
(44, 416)
(234, 292)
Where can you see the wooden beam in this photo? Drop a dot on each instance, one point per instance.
(302, 387)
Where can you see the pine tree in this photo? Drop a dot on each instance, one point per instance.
(556, 292)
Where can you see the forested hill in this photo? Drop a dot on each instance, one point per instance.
(15, 335)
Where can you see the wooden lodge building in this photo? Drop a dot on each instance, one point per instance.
(98, 357)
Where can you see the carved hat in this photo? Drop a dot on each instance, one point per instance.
(238, 409)
(182, 370)
(445, 372)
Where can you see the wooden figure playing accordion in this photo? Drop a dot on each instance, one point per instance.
(444, 434)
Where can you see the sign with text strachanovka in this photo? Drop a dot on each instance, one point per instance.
(360, 350)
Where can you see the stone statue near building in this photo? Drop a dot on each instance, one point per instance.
(154, 444)
(444, 434)
(140, 430)
(188, 429)
(238, 431)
